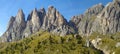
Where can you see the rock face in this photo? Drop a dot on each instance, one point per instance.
(95, 10)
(84, 23)
(33, 23)
(105, 20)
(110, 18)
(16, 27)
(54, 22)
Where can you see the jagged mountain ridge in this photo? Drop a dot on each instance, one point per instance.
(38, 20)
(99, 18)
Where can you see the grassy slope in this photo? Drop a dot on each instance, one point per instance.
(45, 43)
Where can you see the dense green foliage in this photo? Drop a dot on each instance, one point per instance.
(45, 43)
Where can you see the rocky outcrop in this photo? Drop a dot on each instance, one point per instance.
(55, 23)
(15, 29)
(95, 10)
(34, 23)
(105, 20)
(96, 44)
(84, 23)
(110, 18)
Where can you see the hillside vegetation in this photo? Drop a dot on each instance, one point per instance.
(109, 43)
(46, 43)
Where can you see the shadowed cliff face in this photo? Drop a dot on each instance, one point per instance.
(99, 18)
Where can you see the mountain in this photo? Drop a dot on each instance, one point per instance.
(99, 18)
(38, 20)
(98, 27)
(85, 22)
(104, 20)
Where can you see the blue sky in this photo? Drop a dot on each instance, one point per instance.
(67, 8)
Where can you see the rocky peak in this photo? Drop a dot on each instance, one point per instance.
(20, 13)
(51, 13)
(53, 17)
(10, 24)
(41, 14)
(35, 18)
(76, 19)
(33, 23)
(50, 18)
(34, 12)
(50, 8)
(95, 10)
(111, 10)
(83, 23)
(54, 22)
(116, 0)
(42, 10)
(110, 17)
(116, 3)
(60, 18)
(20, 16)
(56, 16)
(15, 28)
